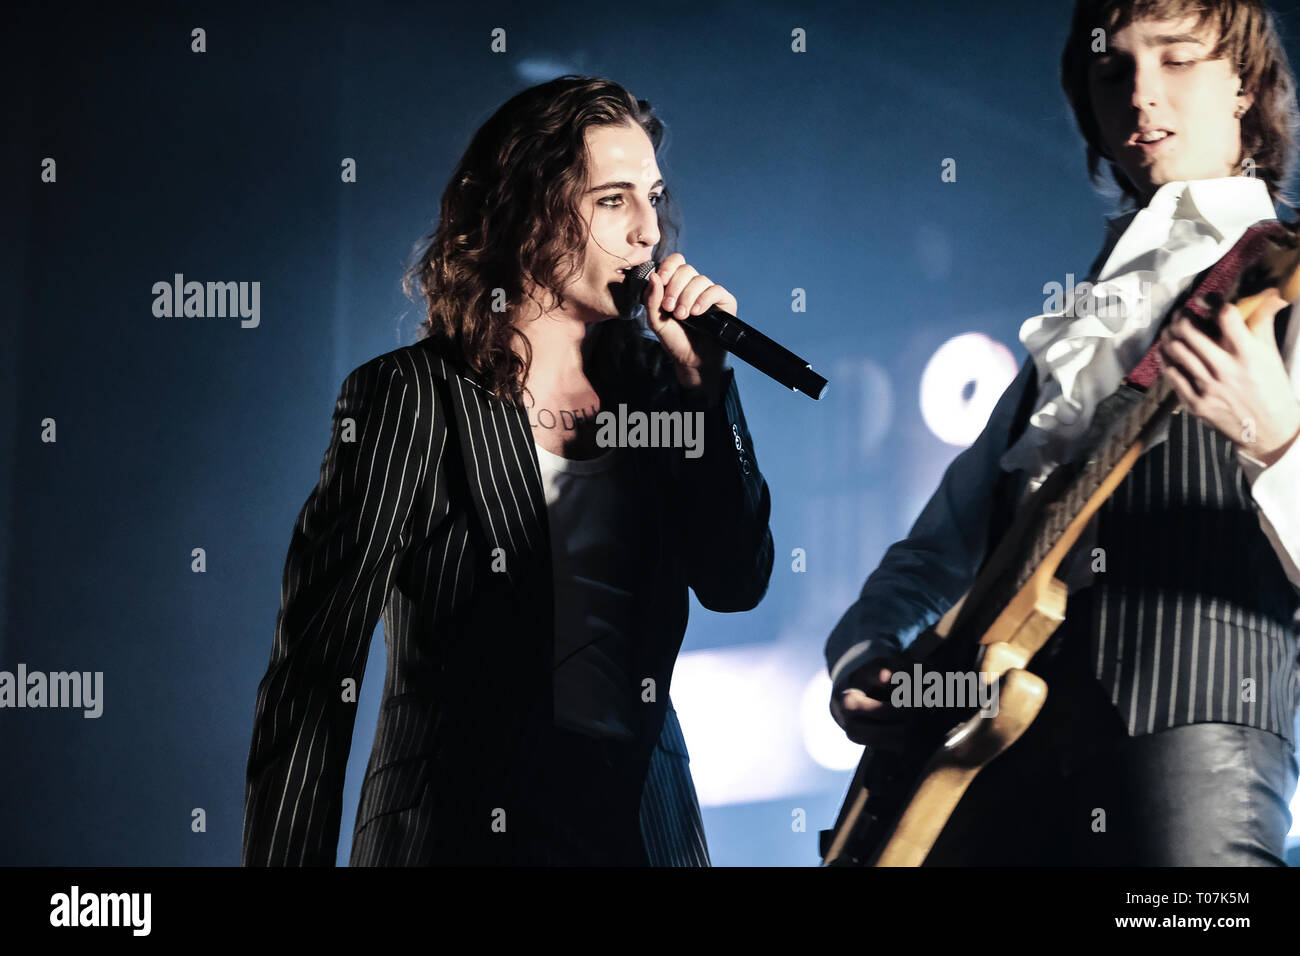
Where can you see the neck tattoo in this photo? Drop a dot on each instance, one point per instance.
(564, 419)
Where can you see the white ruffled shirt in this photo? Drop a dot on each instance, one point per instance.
(1083, 351)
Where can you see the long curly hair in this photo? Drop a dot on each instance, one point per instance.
(1247, 34)
(510, 214)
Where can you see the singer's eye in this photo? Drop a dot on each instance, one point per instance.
(613, 202)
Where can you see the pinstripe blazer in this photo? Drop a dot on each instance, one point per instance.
(430, 512)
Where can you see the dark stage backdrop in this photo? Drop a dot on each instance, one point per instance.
(811, 183)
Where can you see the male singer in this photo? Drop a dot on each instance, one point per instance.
(533, 583)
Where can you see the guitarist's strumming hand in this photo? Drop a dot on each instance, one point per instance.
(864, 710)
(1238, 385)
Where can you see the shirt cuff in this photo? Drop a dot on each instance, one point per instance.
(1250, 466)
(1277, 477)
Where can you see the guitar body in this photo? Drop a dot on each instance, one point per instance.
(903, 807)
(900, 802)
(966, 750)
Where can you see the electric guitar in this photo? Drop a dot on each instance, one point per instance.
(898, 803)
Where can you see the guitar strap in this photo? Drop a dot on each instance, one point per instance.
(1216, 281)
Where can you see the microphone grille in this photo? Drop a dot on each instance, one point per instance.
(642, 272)
(635, 280)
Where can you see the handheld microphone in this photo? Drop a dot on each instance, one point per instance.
(747, 344)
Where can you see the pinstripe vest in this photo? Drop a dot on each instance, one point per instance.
(1193, 617)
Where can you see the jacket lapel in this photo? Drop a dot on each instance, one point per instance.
(503, 477)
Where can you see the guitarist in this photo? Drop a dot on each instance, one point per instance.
(1168, 734)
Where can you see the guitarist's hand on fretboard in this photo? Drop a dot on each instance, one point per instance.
(1239, 384)
(863, 708)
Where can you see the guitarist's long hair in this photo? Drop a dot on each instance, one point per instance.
(1247, 35)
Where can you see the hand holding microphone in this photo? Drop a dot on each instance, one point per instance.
(675, 290)
(706, 328)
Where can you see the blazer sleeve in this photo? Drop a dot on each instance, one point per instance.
(345, 546)
(728, 542)
(926, 573)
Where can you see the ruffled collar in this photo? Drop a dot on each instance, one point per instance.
(1097, 331)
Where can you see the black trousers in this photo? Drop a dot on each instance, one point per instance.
(1076, 790)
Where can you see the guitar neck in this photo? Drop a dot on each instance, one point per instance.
(1051, 520)
(1128, 419)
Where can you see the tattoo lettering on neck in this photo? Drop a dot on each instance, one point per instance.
(565, 419)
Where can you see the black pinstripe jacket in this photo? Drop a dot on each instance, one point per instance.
(426, 480)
